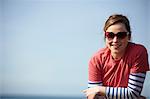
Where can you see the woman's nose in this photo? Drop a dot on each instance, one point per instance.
(115, 39)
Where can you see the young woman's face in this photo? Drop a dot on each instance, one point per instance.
(117, 38)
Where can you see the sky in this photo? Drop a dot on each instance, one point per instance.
(46, 44)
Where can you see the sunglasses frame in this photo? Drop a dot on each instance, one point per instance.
(119, 35)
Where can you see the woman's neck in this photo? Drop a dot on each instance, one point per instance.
(116, 56)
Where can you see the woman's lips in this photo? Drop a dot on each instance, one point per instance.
(116, 45)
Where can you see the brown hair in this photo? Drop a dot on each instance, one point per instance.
(118, 18)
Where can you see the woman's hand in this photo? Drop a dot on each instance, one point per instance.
(92, 90)
(95, 96)
(91, 96)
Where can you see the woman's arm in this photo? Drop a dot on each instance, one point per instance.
(135, 85)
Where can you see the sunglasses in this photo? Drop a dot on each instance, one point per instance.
(119, 35)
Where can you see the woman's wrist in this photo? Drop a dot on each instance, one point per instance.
(102, 90)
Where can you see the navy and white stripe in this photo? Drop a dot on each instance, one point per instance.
(133, 91)
(93, 84)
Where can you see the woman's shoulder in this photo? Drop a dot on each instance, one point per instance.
(136, 48)
(99, 56)
(101, 53)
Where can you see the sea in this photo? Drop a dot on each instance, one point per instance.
(40, 97)
(43, 97)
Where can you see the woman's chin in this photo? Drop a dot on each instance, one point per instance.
(115, 51)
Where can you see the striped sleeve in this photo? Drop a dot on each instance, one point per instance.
(93, 84)
(133, 91)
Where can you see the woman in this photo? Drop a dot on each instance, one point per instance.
(119, 70)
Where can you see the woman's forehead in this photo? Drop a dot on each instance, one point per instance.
(117, 27)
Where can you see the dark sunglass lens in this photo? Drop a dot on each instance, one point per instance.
(110, 35)
(121, 35)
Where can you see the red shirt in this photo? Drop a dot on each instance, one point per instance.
(112, 73)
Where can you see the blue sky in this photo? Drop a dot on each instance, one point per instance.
(47, 43)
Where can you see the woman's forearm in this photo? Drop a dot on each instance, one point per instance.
(135, 85)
